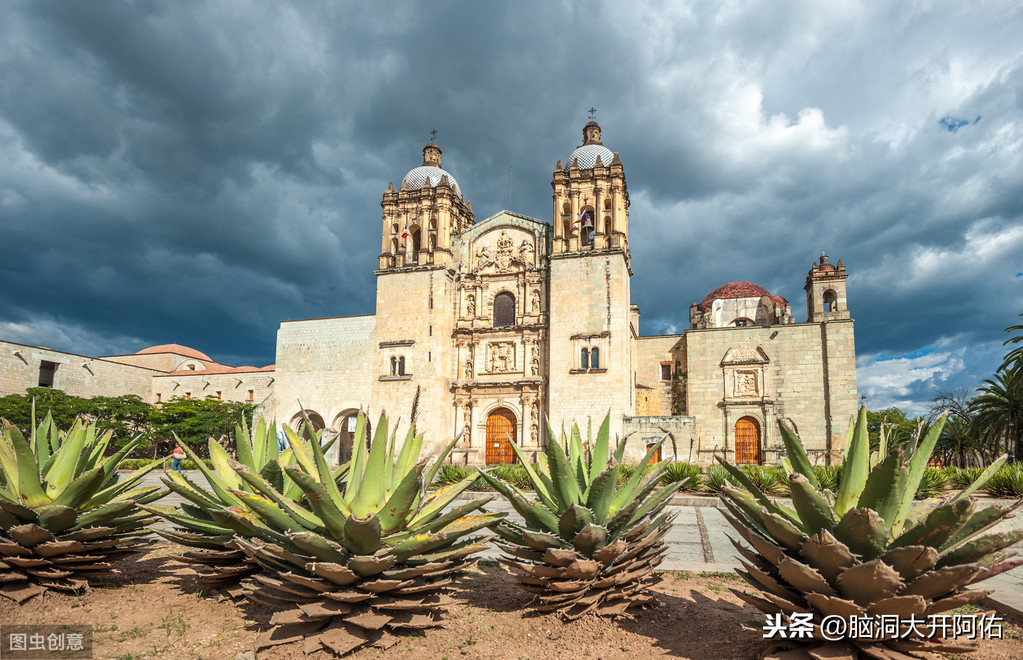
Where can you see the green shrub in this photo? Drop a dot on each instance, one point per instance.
(933, 482)
(675, 472)
(717, 477)
(452, 474)
(962, 477)
(1007, 482)
(828, 476)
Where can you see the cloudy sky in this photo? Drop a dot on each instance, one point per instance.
(197, 172)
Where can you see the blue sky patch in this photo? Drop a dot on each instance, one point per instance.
(953, 124)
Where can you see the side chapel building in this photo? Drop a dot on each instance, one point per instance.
(513, 320)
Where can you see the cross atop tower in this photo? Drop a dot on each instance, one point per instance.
(592, 112)
(433, 135)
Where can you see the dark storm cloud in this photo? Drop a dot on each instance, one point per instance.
(194, 173)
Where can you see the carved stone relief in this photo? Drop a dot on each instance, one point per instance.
(502, 357)
(746, 384)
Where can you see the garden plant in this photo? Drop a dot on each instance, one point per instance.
(65, 513)
(209, 544)
(351, 563)
(870, 549)
(589, 544)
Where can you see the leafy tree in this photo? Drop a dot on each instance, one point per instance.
(195, 421)
(1015, 356)
(999, 411)
(17, 408)
(898, 427)
(959, 443)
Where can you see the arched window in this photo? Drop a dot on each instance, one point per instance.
(587, 226)
(394, 228)
(607, 225)
(504, 309)
(830, 301)
(584, 361)
(394, 366)
(417, 241)
(433, 242)
(394, 246)
(401, 366)
(594, 358)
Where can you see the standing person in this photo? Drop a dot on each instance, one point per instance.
(177, 457)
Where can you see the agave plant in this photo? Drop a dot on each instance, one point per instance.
(870, 550)
(588, 544)
(210, 544)
(351, 564)
(65, 513)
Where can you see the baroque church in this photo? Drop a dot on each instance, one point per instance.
(503, 324)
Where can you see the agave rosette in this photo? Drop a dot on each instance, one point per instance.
(587, 544)
(868, 551)
(210, 544)
(352, 564)
(65, 513)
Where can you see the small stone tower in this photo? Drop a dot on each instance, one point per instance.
(825, 291)
(592, 181)
(420, 217)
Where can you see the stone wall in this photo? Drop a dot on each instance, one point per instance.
(245, 386)
(76, 375)
(654, 395)
(327, 363)
(590, 306)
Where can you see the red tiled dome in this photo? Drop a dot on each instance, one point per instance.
(739, 290)
(177, 349)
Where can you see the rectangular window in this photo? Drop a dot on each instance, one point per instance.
(188, 395)
(665, 371)
(219, 397)
(47, 370)
(159, 397)
(252, 395)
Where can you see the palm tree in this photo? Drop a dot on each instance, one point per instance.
(1015, 356)
(999, 410)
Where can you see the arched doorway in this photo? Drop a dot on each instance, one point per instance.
(500, 426)
(747, 441)
(345, 425)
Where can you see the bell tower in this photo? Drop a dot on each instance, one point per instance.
(825, 291)
(591, 200)
(590, 342)
(421, 216)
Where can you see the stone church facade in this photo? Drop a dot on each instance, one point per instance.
(505, 323)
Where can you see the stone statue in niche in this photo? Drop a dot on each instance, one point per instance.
(534, 426)
(535, 301)
(534, 366)
(468, 369)
(467, 424)
(745, 383)
(470, 306)
(526, 251)
(502, 357)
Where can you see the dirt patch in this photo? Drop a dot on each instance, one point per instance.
(152, 608)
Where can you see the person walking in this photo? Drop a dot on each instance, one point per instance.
(177, 457)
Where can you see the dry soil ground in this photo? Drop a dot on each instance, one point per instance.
(152, 608)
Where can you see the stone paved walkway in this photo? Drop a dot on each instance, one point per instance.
(698, 542)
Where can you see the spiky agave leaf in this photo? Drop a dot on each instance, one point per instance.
(872, 550)
(65, 513)
(209, 542)
(349, 565)
(588, 544)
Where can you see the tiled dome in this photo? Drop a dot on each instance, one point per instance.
(587, 155)
(416, 177)
(177, 349)
(739, 290)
